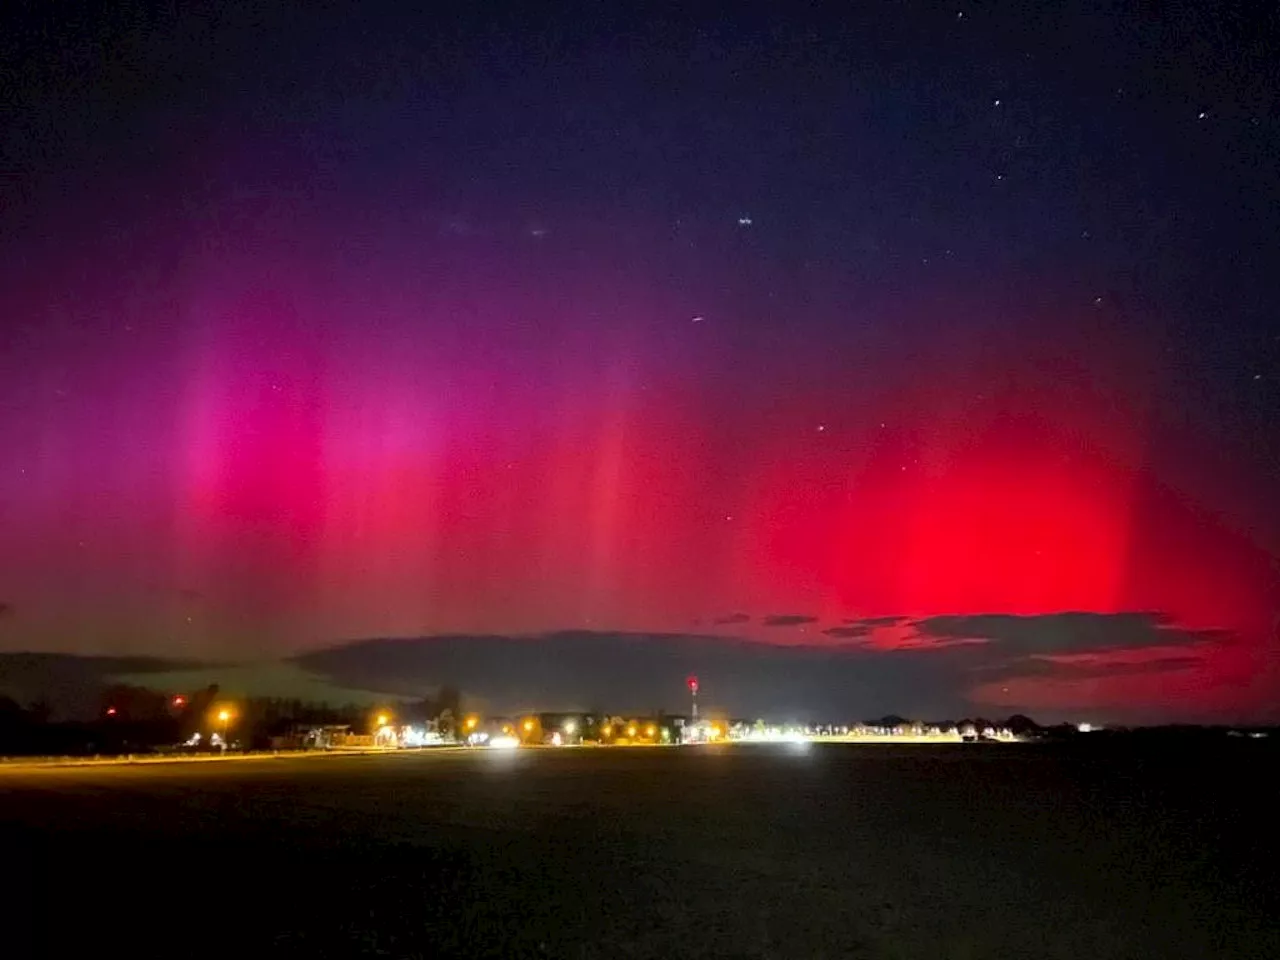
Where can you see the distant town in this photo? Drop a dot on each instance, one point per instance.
(137, 720)
(134, 720)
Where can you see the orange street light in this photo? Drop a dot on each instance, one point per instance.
(224, 718)
(472, 721)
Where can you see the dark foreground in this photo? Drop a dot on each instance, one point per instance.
(837, 851)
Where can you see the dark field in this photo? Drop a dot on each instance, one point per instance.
(834, 851)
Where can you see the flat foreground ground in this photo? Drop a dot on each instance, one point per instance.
(747, 851)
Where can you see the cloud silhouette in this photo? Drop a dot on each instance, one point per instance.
(787, 620)
(645, 672)
(852, 632)
(937, 667)
(1085, 670)
(732, 619)
(876, 621)
(1069, 632)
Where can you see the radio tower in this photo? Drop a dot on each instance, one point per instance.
(693, 692)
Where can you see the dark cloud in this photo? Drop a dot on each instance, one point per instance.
(731, 619)
(852, 632)
(928, 670)
(1088, 669)
(787, 620)
(1071, 632)
(645, 672)
(876, 621)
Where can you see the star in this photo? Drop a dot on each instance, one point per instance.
(1202, 115)
(744, 221)
(822, 427)
(697, 319)
(996, 103)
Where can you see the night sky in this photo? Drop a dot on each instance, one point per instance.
(943, 336)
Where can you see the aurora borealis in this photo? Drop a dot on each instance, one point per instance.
(489, 327)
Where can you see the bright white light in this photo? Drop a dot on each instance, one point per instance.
(418, 737)
(555, 740)
(478, 738)
(1084, 727)
(504, 742)
(569, 727)
(776, 735)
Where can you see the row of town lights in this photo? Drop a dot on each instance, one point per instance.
(225, 715)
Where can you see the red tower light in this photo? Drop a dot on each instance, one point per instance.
(693, 684)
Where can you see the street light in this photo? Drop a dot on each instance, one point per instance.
(224, 717)
(382, 719)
